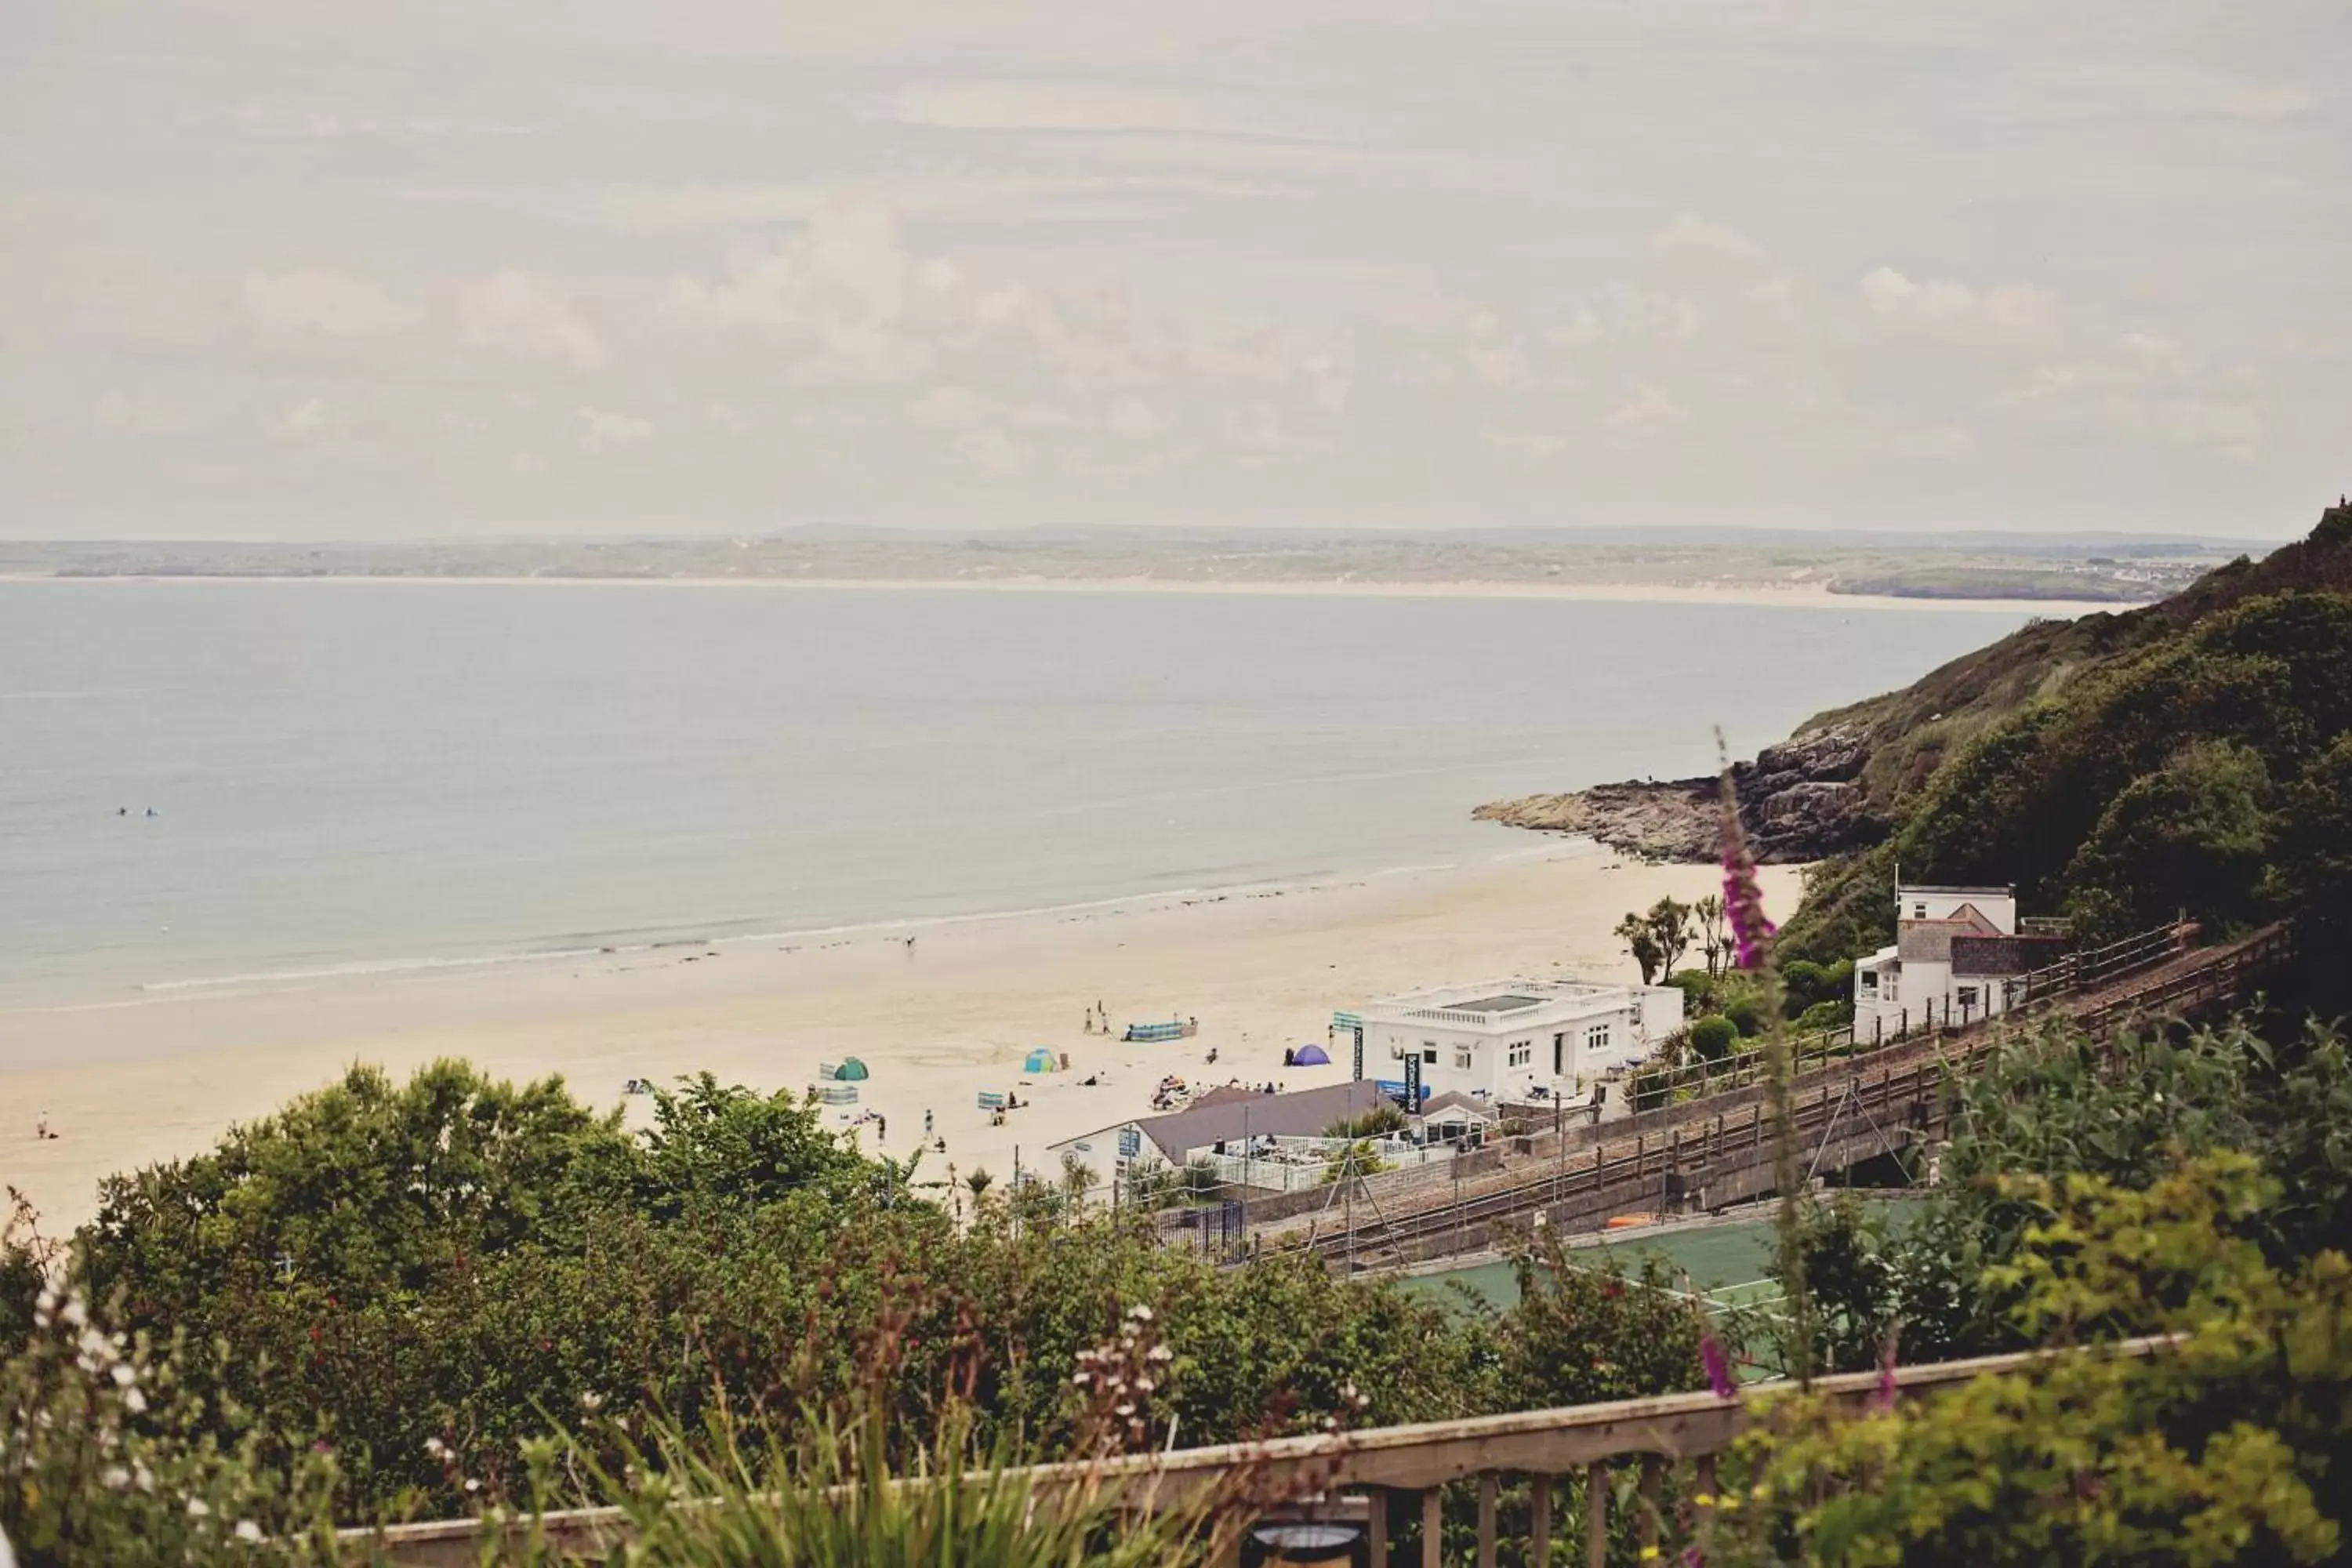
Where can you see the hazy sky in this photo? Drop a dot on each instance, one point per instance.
(307, 268)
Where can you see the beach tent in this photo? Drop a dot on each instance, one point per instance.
(851, 1071)
(838, 1094)
(1311, 1056)
(1041, 1060)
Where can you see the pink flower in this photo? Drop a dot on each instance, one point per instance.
(1718, 1368)
(1883, 1402)
(1743, 900)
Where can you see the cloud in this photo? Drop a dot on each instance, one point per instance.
(2013, 315)
(512, 313)
(310, 302)
(607, 428)
(1690, 237)
(310, 418)
(980, 104)
(1647, 412)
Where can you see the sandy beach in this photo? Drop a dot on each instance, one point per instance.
(1781, 594)
(160, 1075)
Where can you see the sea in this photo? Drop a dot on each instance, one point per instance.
(215, 783)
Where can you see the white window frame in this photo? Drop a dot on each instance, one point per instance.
(1522, 1053)
(1596, 1038)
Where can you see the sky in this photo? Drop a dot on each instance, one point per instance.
(420, 268)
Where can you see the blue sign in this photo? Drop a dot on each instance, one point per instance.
(1395, 1090)
(1131, 1143)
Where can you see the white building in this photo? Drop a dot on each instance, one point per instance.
(1498, 1041)
(1957, 955)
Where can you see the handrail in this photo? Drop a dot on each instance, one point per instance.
(1414, 1457)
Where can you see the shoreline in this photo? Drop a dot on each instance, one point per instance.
(1794, 595)
(936, 1021)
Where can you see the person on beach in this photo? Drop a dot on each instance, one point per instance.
(1290, 1056)
(927, 1121)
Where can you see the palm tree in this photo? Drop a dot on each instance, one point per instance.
(1712, 939)
(980, 1181)
(1077, 1178)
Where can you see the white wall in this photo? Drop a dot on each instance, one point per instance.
(1999, 909)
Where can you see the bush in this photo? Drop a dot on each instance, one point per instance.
(1712, 1037)
(1825, 1016)
(2190, 836)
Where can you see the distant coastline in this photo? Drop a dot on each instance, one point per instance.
(1788, 595)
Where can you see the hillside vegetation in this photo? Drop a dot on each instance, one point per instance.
(2190, 755)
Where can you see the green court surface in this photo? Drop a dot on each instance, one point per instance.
(1724, 1262)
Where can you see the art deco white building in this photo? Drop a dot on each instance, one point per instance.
(1499, 1040)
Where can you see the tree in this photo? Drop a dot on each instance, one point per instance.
(1713, 940)
(1669, 920)
(1712, 1036)
(2190, 836)
(1077, 1179)
(980, 1181)
(1642, 942)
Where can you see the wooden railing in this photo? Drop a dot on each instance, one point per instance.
(1568, 1459)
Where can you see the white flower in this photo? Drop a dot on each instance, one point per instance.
(144, 1477)
(198, 1507)
(473, 1486)
(77, 1312)
(135, 1402)
(115, 1476)
(1140, 1312)
(247, 1531)
(125, 1375)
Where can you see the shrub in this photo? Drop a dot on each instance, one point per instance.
(1712, 1036)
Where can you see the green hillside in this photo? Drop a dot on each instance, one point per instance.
(2190, 754)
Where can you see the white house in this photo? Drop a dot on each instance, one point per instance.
(1957, 954)
(1499, 1040)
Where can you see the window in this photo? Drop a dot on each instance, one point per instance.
(1918, 911)
(1522, 1053)
(1886, 991)
(1967, 998)
(1869, 982)
(1559, 1055)
(1596, 1038)
(1429, 1052)
(1461, 1058)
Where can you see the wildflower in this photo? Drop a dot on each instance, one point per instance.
(135, 1402)
(1718, 1370)
(77, 1312)
(1140, 1312)
(115, 1476)
(125, 1375)
(1649, 1555)
(1703, 1499)
(1693, 1557)
(1743, 900)
(247, 1531)
(592, 1402)
(198, 1507)
(473, 1486)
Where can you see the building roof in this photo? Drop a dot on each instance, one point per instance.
(1930, 942)
(1992, 892)
(1497, 1004)
(1454, 1099)
(1301, 1115)
(2004, 955)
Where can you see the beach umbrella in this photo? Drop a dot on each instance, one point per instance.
(851, 1071)
(1040, 1060)
(1311, 1056)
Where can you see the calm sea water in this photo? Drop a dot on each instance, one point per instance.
(350, 774)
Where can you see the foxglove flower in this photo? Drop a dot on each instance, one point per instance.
(1718, 1367)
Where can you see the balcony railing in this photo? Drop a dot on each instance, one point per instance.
(1568, 1459)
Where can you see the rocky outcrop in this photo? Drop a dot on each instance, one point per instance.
(1800, 800)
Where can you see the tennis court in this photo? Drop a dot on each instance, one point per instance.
(1724, 1263)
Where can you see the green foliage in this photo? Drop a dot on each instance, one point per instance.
(110, 1454)
(1825, 1016)
(1712, 1037)
(2124, 1114)
(2227, 1449)
(2311, 849)
(1582, 1334)
(1382, 1119)
(2190, 836)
